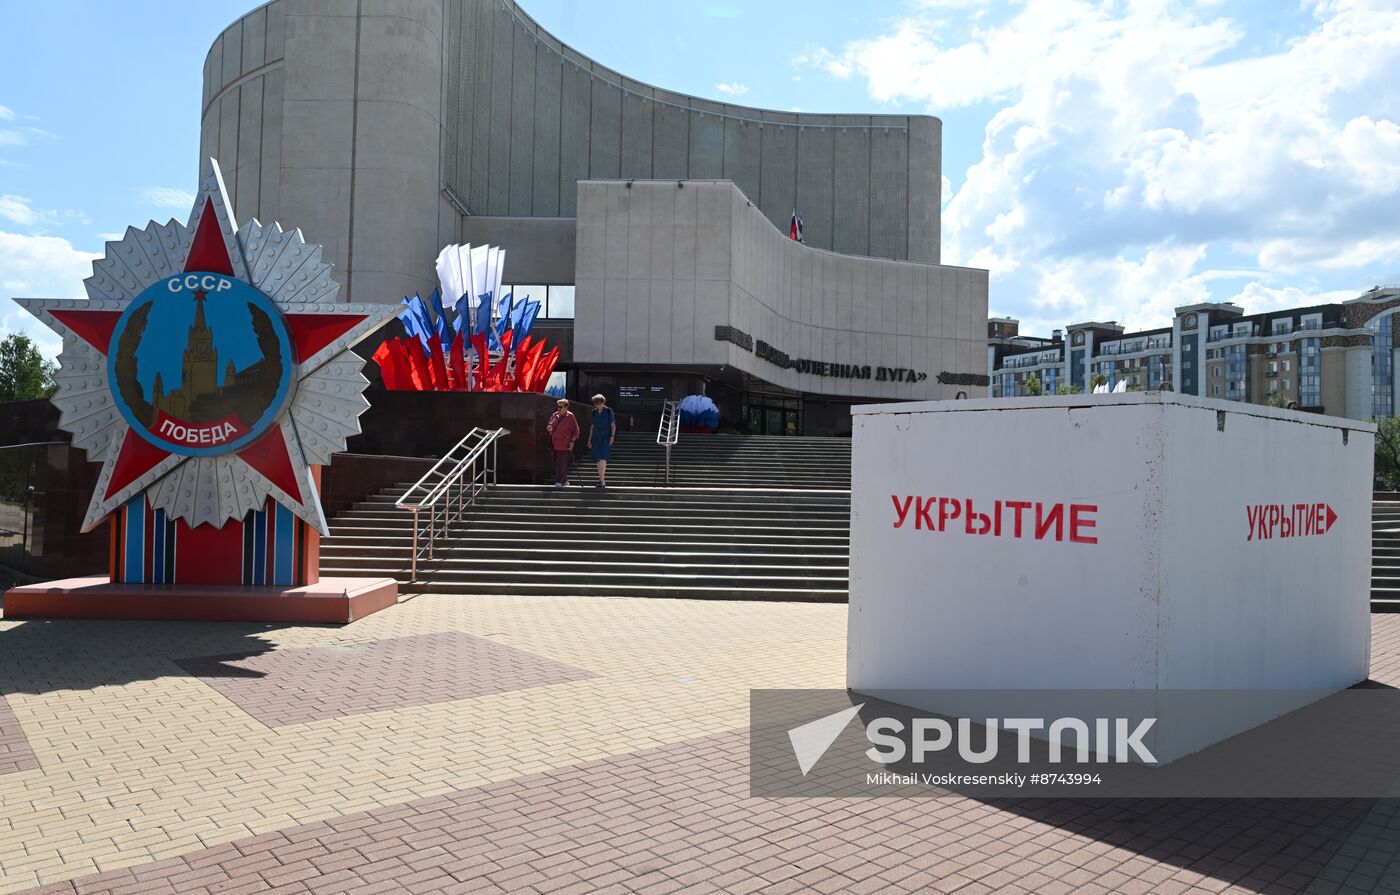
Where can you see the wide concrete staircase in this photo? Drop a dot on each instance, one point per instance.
(747, 517)
(734, 461)
(1385, 556)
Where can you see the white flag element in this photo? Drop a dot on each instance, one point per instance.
(454, 273)
(811, 740)
(471, 271)
(1121, 387)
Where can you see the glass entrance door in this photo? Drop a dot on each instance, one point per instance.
(772, 415)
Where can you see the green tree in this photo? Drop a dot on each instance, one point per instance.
(1097, 379)
(1065, 388)
(24, 374)
(1276, 399)
(1033, 387)
(1388, 452)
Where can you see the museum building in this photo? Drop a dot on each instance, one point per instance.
(654, 226)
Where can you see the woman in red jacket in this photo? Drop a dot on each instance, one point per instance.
(563, 432)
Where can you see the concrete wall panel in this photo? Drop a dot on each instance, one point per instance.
(706, 146)
(851, 189)
(605, 132)
(684, 260)
(637, 126)
(816, 174)
(522, 125)
(671, 139)
(573, 138)
(545, 194)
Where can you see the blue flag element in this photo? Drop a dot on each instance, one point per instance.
(483, 314)
(464, 314)
(440, 328)
(416, 320)
(527, 319)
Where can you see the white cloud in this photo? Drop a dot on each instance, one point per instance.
(167, 197)
(733, 88)
(7, 114)
(42, 267)
(1123, 151)
(17, 210)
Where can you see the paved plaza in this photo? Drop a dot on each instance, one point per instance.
(547, 745)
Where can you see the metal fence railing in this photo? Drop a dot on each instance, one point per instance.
(669, 431)
(444, 492)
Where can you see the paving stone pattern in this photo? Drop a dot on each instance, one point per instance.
(293, 686)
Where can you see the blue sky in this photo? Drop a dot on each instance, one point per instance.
(1103, 160)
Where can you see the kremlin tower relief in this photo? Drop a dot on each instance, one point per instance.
(242, 395)
(200, 371)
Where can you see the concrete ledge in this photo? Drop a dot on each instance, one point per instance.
(334, 601)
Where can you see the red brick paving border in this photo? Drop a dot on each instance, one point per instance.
(293, 686)
(14, 748)
(678, 819)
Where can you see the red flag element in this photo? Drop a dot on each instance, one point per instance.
(93, 327)
(392, 366)
(437, 364)
(543, 370)
(208, 251)
(268, 455)
(312, 332)
(418, 371)
(498, 372)
(525, 366)
(483, 360)
(136, 458)
(458, 363)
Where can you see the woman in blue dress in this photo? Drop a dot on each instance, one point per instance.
(601, 435)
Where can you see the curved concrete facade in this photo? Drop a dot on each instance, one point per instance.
(660, 267)
(375, 125)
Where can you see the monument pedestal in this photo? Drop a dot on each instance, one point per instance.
(329, 601)
(1140, 542)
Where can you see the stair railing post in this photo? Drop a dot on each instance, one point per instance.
(413, 557)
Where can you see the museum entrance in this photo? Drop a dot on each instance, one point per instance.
(767, 414)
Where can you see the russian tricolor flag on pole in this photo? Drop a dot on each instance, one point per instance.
(795, 227)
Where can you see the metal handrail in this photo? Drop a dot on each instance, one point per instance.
(669, 431)
(458, 467)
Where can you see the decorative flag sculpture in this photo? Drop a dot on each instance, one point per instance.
(479, 341)
(699, 414)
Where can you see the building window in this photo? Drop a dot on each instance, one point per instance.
(1382, 367)
(1288, 385)
(1235, 357)
(555, 301)
(1215, 389)
(1310, 372)
(1287, 365)
(561, 302)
